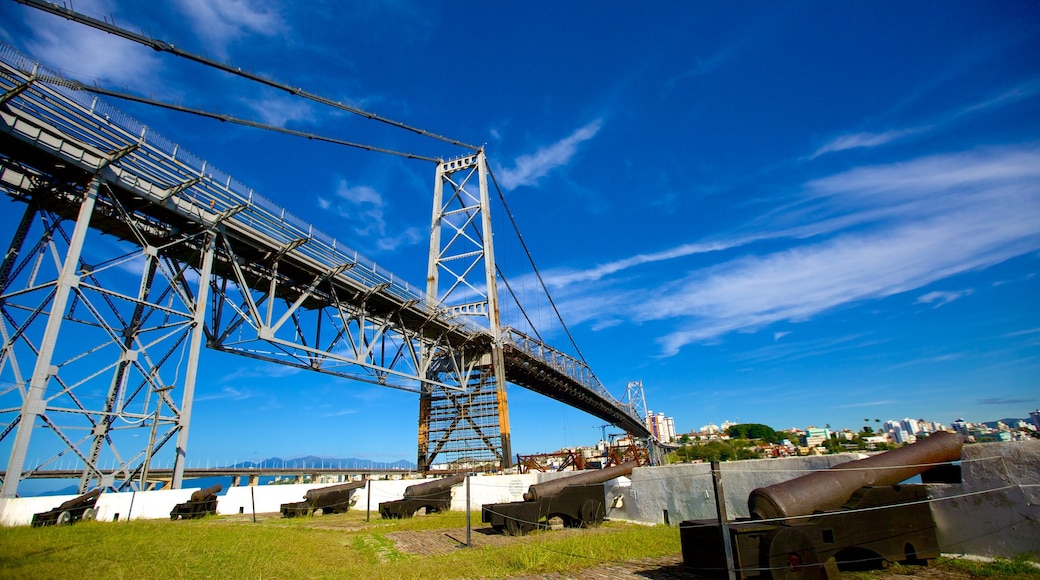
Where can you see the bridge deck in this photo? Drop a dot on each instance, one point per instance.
(54, 133)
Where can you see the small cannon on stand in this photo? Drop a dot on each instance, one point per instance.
(69, 512)
(854, 515)
(578, 500)
(433, 495)
(202, 502)
(333, 499)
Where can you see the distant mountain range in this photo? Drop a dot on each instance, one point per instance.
(308, 462)
(312, 461)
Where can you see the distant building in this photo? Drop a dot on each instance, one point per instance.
(662, 428)
(815, 436)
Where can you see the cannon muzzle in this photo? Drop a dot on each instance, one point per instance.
(831, 488)
(555, 486)
(88, 499)
(434, 486)
(202, 494)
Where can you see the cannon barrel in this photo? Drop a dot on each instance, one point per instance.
(316, 494)
(202, 494)
(831, 488)
(555, 486)
(86, 500)
(434, 486)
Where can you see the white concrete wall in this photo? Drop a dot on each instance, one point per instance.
(996, 510)
(686, 491)
(129, 505)
(262, 498)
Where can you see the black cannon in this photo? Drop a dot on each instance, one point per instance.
(333, 499)
(577, 500)
(202, 502)
(852, 516)
(433, 495)
(69, 512)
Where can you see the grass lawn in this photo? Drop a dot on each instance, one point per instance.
(333, 546)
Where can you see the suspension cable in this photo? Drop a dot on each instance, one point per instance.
(537, 273)
(163, 46)
(225, 118)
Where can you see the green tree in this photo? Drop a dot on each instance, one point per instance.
(753, 431)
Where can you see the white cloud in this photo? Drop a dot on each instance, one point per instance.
(87, 54)
(859, 140)
(221, 22)
(364, 208)
(889, 229)
(279, 110)
(943, 298)
(866, 139)
(528, 169)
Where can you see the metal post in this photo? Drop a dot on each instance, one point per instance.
(720, 505)
(469, 542)
(198, 331)
(368, 502)
(34, 403)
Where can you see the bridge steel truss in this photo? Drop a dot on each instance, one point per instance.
(215, 264)
(468, 427)
(132, 254)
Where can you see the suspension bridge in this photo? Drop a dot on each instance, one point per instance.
(88, 357)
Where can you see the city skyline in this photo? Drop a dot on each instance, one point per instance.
(779, 214)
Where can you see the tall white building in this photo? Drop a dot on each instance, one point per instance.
(662, 428)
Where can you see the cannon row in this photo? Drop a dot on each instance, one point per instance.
(855, 514)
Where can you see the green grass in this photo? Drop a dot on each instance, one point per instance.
(1019, 567)
(334, 546)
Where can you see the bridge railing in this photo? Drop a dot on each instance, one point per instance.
(572, 367)
(161, 162)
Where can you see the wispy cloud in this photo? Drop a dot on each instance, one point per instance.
(281, 110)
(1004, 401)
(219, 23)
(364, 208)
(858, 140)
(230, 393)
(528, 169)
(87, 54)
(701, 67)
(890, 229)
(939, 298)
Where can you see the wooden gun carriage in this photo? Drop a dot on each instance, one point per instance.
(578, 500)
(69, 512)
(852, 516)
(202, 502)
(333, 499)
(433, 495)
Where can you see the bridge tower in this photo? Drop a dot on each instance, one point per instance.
(469, 427)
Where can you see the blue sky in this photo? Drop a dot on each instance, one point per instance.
(786, 213)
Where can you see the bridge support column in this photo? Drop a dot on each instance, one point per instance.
(34, 405)
(195, 346)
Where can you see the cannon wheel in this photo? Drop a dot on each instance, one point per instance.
(89, 514)
(591, 513)
(515, 527)
(792, 556)
(64, 519)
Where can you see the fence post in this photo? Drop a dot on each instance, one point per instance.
(720, 505)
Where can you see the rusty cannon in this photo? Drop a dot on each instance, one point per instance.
(69, 512)
(853, 516)
(433, 495)
(332, 499)
(201, 503)
(576, 500)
